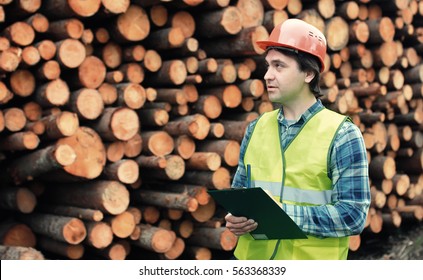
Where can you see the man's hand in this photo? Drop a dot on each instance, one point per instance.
(239, 225)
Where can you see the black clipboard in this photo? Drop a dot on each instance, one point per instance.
(255, 203)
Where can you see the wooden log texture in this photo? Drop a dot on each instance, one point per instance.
(20, 253)
(65, 229)
(110, 197)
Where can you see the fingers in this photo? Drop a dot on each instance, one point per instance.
(240, 225)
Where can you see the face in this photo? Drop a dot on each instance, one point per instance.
(286, 84)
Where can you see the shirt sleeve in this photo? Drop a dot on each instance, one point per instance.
(347, 213)
(240, 177)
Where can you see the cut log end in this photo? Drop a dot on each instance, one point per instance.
(26, 200)
(117, 198)
(134, 24)
(175, 167)
(125, 124)
(19, 235)
(74, 231)
(20, 253)
(128, 172)
(90, 153)
(71, 53)
(90, 104)
(162, 241)
(65, 155)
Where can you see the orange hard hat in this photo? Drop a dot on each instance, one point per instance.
(298, 35)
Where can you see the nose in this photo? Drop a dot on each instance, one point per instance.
(268, 75)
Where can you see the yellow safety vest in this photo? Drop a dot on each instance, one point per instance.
(298, 175)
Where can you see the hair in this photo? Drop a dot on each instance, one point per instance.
(306, 62)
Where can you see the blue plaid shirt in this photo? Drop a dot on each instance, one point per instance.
(348, 172)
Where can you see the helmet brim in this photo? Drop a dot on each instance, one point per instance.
(266, 44)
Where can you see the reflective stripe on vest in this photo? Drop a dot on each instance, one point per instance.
(295, 194)
(296, 175)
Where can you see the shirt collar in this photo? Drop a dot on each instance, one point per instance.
(305, 116)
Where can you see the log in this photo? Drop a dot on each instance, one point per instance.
(155, 239)
(17, 199)
(165, 38)
(84, 214)
(110, 197)
(41, 161)
(172, 72)
(382, 167)
(22, 82)
(70, 53)
(19, 33)
(204, 212)
(125, 171)
(115, 7)
(14, 119)
(158, 143)
(20, 253)
(13, 233)
(197, 253)
(117, 123)
(70, 8)
(90, 153)
(209, 106)
(47, 49)
(175, 251)
(217, 23)
(165, 199)
(241, 44)
(52, 93)
(354, 242)
(378, 198)
(48, 71)
(60, 228)
(122, 225)
(218, 179)
(174, 96)
(204, 161)
(413, 164)
(401, 183)
(151, 214)
(234, 130)
(86, 103)
(20, 141)
(219, 238)
(153, 117)
(131, 95)
(216, 131)
(60, 125)
(381, 30)
(70, 251)
(115, 251)
(152, 61)
(196, 126)
(337, 25)
(183, 227)
(133, 146)
(228, 150)
(99, 234)
(65, 28)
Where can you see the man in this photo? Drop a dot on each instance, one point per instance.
(312, 160)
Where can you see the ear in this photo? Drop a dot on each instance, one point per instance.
(309, 76)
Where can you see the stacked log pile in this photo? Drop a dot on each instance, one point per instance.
(116, 117)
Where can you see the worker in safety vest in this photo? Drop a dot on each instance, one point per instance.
(310, 159)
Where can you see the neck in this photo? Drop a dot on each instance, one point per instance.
(294, 110)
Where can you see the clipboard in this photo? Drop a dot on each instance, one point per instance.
(255, 203)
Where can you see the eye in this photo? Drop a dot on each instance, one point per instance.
(278, 65)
